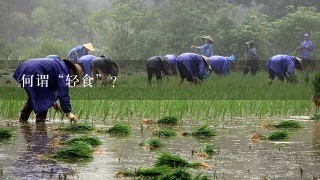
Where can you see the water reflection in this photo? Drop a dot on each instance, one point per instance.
(32, 164)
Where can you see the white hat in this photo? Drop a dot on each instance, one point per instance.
(208, 38)
(89, 46)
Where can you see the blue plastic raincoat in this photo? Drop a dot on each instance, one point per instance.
(281, 65)
(85, 62)
(194, 63)
(42, 98)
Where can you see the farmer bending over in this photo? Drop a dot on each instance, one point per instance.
(104, 66)
(46, 81)
(283, 67)
(220, 64)
(154, 66)
(192, 67)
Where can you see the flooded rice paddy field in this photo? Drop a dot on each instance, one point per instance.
(238, 157)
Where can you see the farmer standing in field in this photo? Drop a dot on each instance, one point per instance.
(283, 67)
(305, 49)
(192, 67)
(104, 66)
(220, 64)
(155, 65)
(252, 59)
(206, 49)
(46, 81)
(79, 51)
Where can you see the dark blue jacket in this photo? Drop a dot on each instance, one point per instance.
(42, 98)
(194, 63)
(85, 62)
(281, 64)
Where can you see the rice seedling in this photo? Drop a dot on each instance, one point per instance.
(288, 124)
(76, 151)
(168, 120)
(77, 128)
(164, 133)
(205, 151)
(5, 134)
(173, 161)
(204, 131)
(90, 140)
(119, 129)
(315, 117)
(200, 176)
(151, 144)
(278, 135)
(180, 173)
(145, 172)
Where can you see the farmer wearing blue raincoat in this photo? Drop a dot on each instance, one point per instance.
(192, 67)
(306, 47)
(220, 64)
(45, 81)
(283, 67)
(79, 51)
(172, 59)
(206, 49)
(85, 61)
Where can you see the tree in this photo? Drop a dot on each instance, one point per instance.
(290, 29)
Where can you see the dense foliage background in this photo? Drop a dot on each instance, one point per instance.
(136, 29)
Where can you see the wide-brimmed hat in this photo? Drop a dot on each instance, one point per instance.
(208, 38)
(298, 63)
(76, 68)
(89, 46)
(306, 35)
(207, 62)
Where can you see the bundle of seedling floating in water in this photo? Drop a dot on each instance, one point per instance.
(167, 121)
(151, 144)
(5, 134)
(203, 131)
(167, 166)
(119, 129)
(279, 134)
(78, 148)
(204, 151)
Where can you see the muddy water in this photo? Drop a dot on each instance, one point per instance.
(238, 158)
